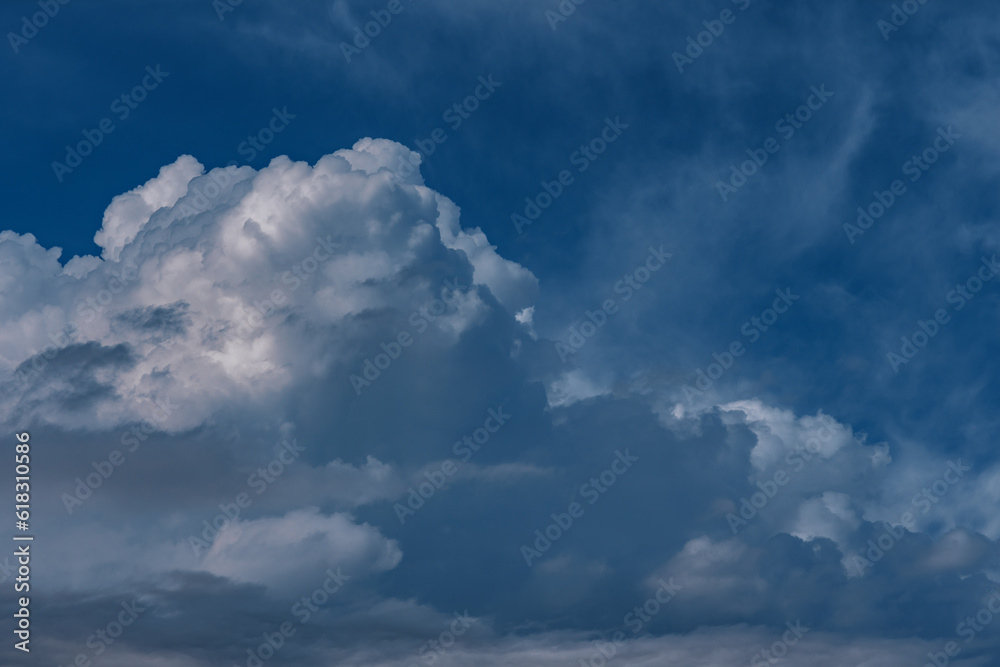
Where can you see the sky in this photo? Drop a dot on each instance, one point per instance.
(548, 332)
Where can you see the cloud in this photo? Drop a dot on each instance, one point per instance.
(238, 269)
(283, 552)
(129, 212)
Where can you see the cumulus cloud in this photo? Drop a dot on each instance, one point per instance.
(285, 551)
(221, 299)
(129, 212)
(238, 269)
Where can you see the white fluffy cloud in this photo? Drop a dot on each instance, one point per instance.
(222, 294)
(212, 288)
(286, 551)
(128, 213)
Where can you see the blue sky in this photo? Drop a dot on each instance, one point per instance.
(627, 301)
